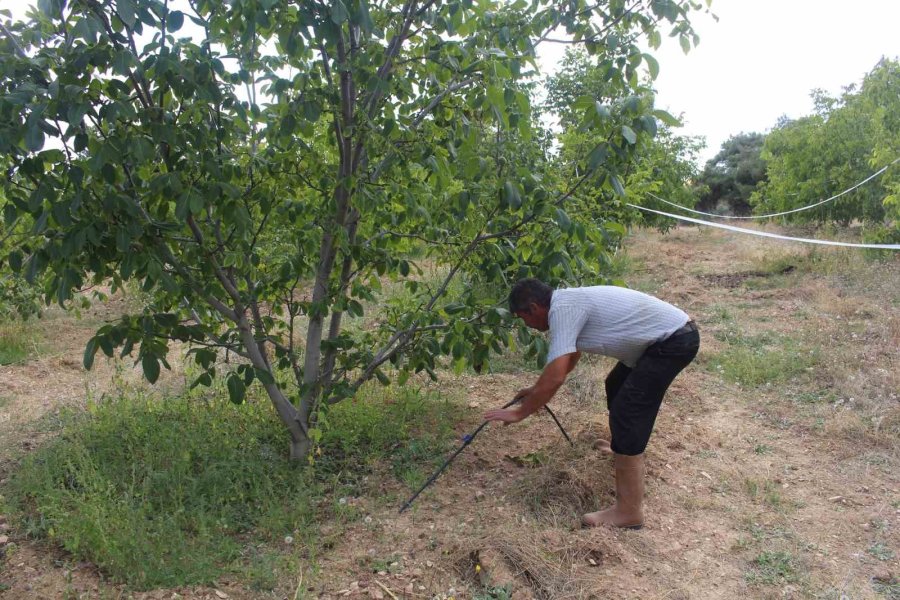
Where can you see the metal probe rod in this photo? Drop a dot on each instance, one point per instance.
(466, 441)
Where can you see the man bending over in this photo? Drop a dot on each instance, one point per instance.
(652, 340)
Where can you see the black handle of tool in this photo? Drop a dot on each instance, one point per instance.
(468, 440)
(558, 424)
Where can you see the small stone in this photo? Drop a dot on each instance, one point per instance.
(221, 594)
(4, 539)
(429, 564)
(479, 495)
(378, 594)
(288, 539)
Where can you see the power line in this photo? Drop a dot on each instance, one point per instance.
(787, 212)
(767, 234)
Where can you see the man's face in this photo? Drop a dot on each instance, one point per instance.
(535, 317)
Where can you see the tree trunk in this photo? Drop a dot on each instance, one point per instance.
(300, 448)
(295, 422)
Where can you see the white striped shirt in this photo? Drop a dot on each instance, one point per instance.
(609, 320)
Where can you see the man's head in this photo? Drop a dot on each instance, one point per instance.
(529, 300)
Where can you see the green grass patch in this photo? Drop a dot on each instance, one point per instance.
(765, 491)
(773, 568)
(880, 551)
(494, 593)
(18, 342)
(405, 429)
(761, 359)
(889, 589)
(178, 491)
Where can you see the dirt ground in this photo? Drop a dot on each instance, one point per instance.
(756, 488)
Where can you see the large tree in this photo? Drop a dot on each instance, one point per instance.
(731, 176)
(262, 168)
(664, 162)
(840, 144)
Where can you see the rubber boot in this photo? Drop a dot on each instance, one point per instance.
(628, 509)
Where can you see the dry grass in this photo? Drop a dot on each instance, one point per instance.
(551, 566)
(566, 484)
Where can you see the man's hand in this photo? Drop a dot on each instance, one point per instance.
(506, 415)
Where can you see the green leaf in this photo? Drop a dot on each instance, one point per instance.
(511, 197)
(236, 388)
(495, 96)
(583, 103)
(602, 111)
(666, 118)
(126, 10)
(652, 65)
(90, 351)
(15, 261)
(563, 220)
(10, 214)
(685, 43)
(629, 134)
(34, 136)
(454, 308)
(150, 365)
(598, 155)
(617, 184)
(265, 377)
(339, 12)
(362, 17)
(355, 308)
(175, 20)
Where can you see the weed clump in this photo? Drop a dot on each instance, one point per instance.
(163, 493)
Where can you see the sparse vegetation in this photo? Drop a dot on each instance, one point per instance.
(18, 342)
(766, 358)
(773, 568)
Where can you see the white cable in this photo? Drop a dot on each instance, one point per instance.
(787, 212)
(767, 234)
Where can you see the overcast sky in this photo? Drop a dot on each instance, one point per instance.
(763, 57)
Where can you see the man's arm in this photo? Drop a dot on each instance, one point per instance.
(534, 398)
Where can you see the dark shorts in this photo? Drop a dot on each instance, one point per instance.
(634, 395)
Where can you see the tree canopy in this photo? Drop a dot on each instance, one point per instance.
(842, 143)
(731, 176)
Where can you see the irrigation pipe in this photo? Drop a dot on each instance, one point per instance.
(765, 233)
(467, 439)
(787, 212)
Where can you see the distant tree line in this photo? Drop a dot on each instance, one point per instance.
(802, 161)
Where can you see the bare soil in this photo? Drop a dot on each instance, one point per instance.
(787, 489)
